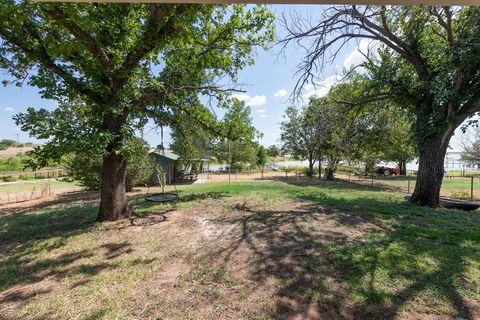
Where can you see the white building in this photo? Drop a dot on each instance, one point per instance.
(453, 162)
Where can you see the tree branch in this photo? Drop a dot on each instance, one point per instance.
(92, 45)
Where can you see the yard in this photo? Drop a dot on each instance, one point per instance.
(288, 249)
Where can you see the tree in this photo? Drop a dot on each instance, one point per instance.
(301, 133)
(86, 166)
(123, 64)
(192, 143)
(395, 140)
(344, 126)
(427, 60)
(261, 157)
(470, 142)
(235, 144)
(273, 151)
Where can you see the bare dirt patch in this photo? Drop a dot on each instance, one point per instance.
(237, 257)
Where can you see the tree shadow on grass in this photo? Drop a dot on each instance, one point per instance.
(363, 258)
(142, 206)
(28, 239)
(379, 184)
(61, 200)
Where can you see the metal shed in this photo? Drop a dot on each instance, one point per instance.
(168, 161)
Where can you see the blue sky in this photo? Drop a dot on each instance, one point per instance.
(268, 85)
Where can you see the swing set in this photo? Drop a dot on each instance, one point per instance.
(162, 181)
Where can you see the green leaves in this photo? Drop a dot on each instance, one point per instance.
(113, 66)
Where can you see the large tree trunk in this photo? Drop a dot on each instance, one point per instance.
(310, 167)
(430, 170)
(113, 203)
(403, 167)
(331, 168)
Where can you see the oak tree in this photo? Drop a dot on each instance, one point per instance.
(428, 61)
(123, 64)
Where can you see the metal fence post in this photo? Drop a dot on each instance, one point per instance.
(471, 188)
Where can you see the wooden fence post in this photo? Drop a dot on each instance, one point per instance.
(471, 188)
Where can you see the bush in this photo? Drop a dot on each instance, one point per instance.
(87, 167)
(461, 195)
(241, 166)
(7, 143)
(9, 178)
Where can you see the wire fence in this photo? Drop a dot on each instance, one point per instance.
(457, 187)
(10, 176)
(28, 193)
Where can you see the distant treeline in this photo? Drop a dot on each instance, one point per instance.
(8, 143)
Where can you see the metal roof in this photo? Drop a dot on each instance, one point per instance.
(167, 154)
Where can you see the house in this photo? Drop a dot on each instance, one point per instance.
(167, 163)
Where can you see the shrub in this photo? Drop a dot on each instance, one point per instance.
(87, 167)
(9, 178)
(461, 195)
(241, 166)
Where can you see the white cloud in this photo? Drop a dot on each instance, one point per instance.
(320, 89)
(9, 109)
(357, 56)
(241, 96)
(263, 116)
(255, 101)
(280, 93)
(262, 110)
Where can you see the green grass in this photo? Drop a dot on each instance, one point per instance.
(399, 258)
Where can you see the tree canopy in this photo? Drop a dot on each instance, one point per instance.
(426, 59)
(110, 75)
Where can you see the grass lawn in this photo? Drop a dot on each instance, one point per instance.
(252, 250)
(456, 187)
(28, 186)
(22, 190)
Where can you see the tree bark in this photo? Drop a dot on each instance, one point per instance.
(431, 170)
(331, 168)
(403, 167)
(310, 167)
(113, 202)
(319, 169)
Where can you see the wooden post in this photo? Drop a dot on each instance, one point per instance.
(372, 180)
(471, 188)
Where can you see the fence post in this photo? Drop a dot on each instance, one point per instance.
(372, 180)
(349, 176)
(408, 189)
(471, 188)
(286, 173)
